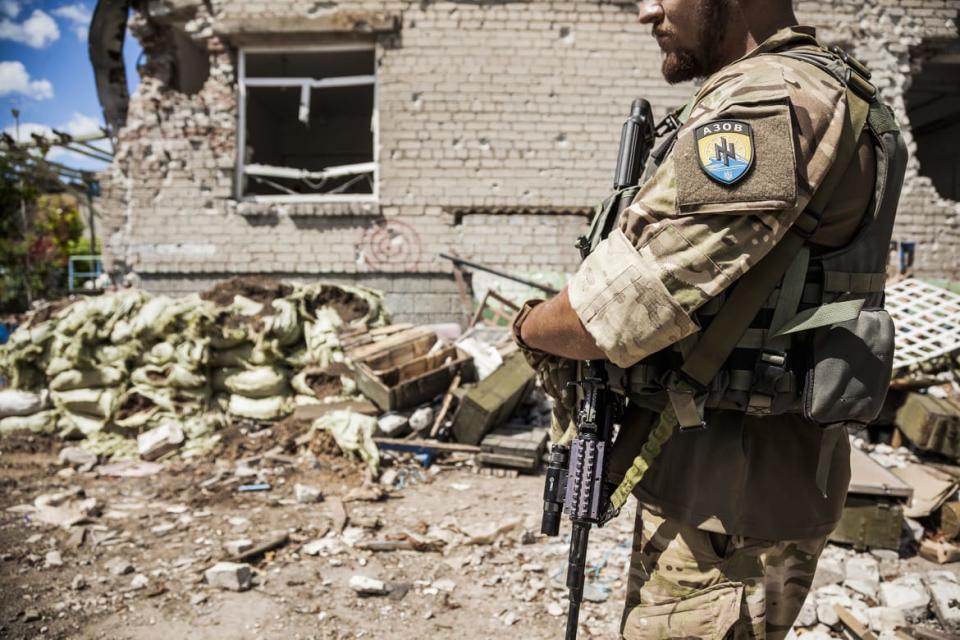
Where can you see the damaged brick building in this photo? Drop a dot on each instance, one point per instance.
(357, 140)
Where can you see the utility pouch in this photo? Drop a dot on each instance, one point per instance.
(852, 363)
(607, 213)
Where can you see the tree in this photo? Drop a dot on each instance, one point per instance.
(36, 234)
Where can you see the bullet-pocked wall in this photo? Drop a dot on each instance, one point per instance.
(494, 131)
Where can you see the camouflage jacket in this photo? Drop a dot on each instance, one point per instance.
(693, 230)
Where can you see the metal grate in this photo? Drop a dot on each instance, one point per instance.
(927, 320)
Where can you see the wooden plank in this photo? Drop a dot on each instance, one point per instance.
(857, 628)
(445, 406)
(493, 400)
(867, 477)
(389, 342)
(950, 520)
(424, 446)
(311, 412)
(513, 462)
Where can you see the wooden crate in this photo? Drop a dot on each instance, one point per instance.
(873, 513)
(931, 424)
(869, 522)
(493, 399)
(514, 446)
(404, 372)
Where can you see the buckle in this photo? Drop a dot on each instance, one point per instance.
(767, 373)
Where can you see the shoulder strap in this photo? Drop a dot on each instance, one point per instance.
(720, 339)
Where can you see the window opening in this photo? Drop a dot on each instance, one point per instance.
(933, 107)
(308, 125)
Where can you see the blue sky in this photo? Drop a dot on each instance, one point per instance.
(45, 70)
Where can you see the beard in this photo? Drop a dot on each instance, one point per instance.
(683, 64)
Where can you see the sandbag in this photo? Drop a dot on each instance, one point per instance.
(259, 382)
(285, 326)
(173, 376)
(260, 408)
(44, 422)
(354, 435)
(86, 378)
(72, 424)
(95, 402)
(14, 402)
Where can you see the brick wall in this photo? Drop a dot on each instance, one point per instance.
(498, 130)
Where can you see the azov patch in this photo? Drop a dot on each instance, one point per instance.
(725, 150)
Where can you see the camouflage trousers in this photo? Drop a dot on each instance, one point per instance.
(688, 583)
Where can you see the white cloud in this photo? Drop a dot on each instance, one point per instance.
(15, 79)
(80, 125)
(37, 31)
(78, 16)
(9, 8)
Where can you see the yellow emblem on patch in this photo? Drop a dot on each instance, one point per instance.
(725, 150)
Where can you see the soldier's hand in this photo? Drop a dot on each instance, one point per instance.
(556, 374)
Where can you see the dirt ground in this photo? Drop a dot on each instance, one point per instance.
(458, 553)
(492, 574)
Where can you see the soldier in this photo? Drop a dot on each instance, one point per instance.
(784, 140)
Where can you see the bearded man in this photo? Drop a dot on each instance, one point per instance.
(785, 156)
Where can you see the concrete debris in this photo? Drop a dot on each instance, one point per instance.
(53, 559)
(78, 457)
(305, 494)
(364, 586)
(233, 576)
(393, 425)
(885, 619)
(139, 581)
(236, 547)
(421, 419)
(863, 576)
(79, 583)
(944, 589)
(158, 442)
(119, 567)
(808, 613)
(907, 595)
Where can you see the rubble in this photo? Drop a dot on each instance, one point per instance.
(78, 458)
(233, 576)
(945, 592)
(364, 586)
(305, 494)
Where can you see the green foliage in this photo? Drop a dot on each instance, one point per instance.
(37, 233)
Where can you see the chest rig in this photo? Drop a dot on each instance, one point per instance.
(804, 331)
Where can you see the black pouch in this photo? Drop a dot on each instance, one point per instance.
(852, 363)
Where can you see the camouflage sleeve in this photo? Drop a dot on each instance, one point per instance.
(687, 236)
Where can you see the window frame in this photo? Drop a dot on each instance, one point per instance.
(243, 82)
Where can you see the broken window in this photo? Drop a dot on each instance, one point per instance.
(933, 106)
(308, 124)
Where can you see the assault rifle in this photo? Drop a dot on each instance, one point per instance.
(576, 481)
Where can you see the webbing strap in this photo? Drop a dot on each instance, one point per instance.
(648, 453)
(822, 316)
(858, 111)
(721, 337)
(791, 290)
(849, 282)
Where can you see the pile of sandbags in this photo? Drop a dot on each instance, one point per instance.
(118, 366)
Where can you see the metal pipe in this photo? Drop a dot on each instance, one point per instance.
(479, 267)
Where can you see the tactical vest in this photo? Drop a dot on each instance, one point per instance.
(800, 332)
